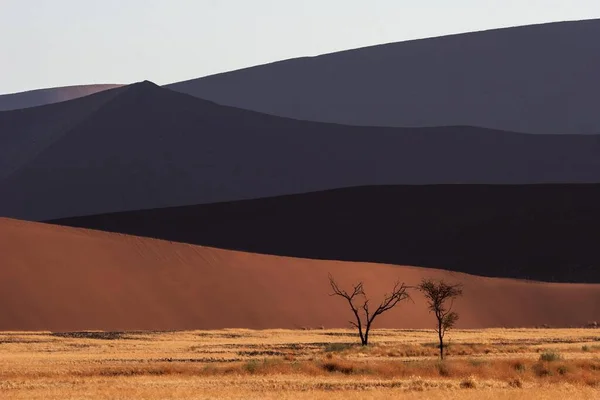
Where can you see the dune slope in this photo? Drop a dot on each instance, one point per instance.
(534, 79)
(25, 133)
(539, 232)
(59, 278)
(150, 147)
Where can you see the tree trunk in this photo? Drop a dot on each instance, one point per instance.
(362, 337)
(441, 337)
(366, 341)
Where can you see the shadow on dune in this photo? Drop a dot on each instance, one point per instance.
(538, 232)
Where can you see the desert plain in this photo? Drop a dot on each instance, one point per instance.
(305, 364)
(120, 340)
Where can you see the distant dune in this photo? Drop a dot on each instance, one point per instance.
(25, 133)
(56, 278)
(41, 97)
(530, 79)
(142, 146)
(534, 79)
(539, 232)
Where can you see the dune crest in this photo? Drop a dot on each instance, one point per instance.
(143, 146)
(532, 79)
(40, 97)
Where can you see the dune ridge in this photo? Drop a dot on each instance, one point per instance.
(495, 78)
(40, 97)
(149, 147)
(534, 79)
(60, 278)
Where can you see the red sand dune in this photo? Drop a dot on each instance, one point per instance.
(58, 278)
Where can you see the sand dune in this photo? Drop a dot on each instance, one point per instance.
(150, 147)
(39, 97)
(27, 132)
(539, 232)
(58, 278)
(535, 79)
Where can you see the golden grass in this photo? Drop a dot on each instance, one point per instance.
(238, 363)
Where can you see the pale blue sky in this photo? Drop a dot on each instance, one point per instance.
(46, 43)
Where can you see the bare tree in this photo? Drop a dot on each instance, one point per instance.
(359, 304)
(437, 293)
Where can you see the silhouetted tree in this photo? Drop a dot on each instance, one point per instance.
(357, 295)
(437, 293)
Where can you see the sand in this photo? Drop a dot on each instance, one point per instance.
(498, 78)
(59, 278)
(536, 232)
(142, 146)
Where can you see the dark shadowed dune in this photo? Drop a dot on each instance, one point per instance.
(64, 279)
(534, 79)
(27, 132)
(539, 232)
(149, 147)
(33, 98)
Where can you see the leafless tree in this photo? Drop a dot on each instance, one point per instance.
(437, 293)
(359, 304)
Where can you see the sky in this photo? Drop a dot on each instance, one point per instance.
(48, 43)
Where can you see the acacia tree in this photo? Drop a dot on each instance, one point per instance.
(437, 293)
(359, 304)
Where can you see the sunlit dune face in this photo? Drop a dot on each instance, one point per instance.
(57, 278)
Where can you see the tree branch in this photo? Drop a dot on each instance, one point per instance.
(399, 293)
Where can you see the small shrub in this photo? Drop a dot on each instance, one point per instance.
(550, 356)
(333, 366)
(468, 383)
(515, 383)
(251, 366)
(541, 370)
(585, 348)
(443, 369)
(562, 370)
(519, 366)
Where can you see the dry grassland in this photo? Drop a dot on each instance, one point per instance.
(305, 364)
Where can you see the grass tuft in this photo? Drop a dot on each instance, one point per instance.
(541, 370)
(468, 383)
(443, 369)
(562, 370)
(519, 366)
(515, 383)
(336, 366)
(550, 356)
